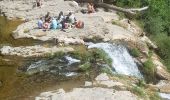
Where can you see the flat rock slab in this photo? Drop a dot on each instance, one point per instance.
(29, 51)
(26, 9)
(95, 93)
(95, 26)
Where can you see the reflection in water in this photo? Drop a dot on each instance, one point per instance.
(18, 86)
(6, 28)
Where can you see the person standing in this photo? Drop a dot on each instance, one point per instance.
(38, 3)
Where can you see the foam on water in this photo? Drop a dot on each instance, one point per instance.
(122, 62)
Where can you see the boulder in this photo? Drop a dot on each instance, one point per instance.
(102, 77)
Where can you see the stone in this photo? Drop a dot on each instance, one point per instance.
(163, 86)
(87, 83)
(110, 83)
(102, 77)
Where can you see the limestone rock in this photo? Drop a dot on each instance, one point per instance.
(102, 77)
(164, 86)
(87, 83)
(161, 70)
(36, 50)
(95, 93)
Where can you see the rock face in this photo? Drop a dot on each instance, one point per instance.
(161, 70)
(36, 50)
(164, 86)
(94, 93)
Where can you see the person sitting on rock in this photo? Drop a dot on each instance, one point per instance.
(90, 8)
(46, 25)
(79, 24)
(60, 17)
(48, 17)
(71, 18)
(40, 23)
(54, 24)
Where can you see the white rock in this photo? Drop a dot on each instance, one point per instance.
(96, 93)
(36, 50)
(87, 83)
(102, 77)
(110, 83)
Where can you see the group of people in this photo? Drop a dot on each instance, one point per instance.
(61, 22)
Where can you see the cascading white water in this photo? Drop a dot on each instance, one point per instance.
(122, 62)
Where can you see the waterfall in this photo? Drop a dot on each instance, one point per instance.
(122, 62)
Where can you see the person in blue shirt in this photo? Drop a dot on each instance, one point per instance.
(40, 23)
(54, 23)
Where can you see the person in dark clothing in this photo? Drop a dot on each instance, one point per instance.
(48, 17)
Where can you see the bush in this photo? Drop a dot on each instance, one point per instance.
(138, 91)
(155, 96)
(100, 54)
(135, 52)
(163, 43)
(85, 66)
(149, 70)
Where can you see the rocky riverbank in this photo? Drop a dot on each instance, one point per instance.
(103, 26)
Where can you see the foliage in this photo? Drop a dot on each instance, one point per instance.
(56, 54)
(130, 3)
(163, 42)
(138, 91)
(149, 70)
(85, 66)
(135, 52)
(107, 70)
(155, 96)
(100, 54)
(141, 83)
(155, 21)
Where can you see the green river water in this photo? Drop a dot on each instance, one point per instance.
(18, 86)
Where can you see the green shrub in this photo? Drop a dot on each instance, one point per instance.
(107, 70)
(163, 43)
(135, 52)
(85, 67)
(155, 96)
(100, 54)
(138, 91)
(149, 70)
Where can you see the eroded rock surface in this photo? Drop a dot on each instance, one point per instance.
(94, 93)
(37, 50)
